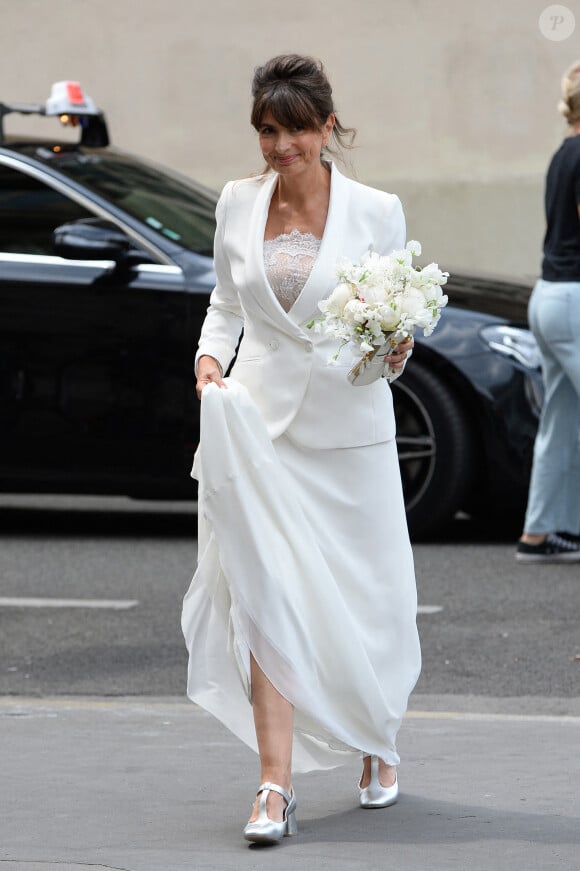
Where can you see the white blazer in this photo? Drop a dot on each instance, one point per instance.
(283, 364)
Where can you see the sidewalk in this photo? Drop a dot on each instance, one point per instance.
(158, 785)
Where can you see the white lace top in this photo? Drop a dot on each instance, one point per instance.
(288, 261)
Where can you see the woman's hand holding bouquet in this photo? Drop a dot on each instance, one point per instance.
(378, 304)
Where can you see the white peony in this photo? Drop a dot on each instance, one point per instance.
(354, 312)
(373, 294)
(412, 300)
(390, 315)
(337, 300)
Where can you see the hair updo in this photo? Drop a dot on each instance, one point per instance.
(569, 105)
(295, 89)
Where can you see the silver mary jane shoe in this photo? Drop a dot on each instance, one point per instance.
(267, 831)
(375, 795)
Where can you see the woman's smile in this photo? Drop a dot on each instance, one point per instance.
(276, 140)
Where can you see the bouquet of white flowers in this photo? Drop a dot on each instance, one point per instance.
(379, 303)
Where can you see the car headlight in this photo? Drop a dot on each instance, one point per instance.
(514, 342)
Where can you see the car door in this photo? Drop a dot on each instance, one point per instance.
(94, 361)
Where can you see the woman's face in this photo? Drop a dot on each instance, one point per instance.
(292, 150)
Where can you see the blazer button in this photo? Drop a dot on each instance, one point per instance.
(274, 345)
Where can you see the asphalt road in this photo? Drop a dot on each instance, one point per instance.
(503, 631)
(106, 765)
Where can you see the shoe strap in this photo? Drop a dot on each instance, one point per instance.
(375, 771)
(275, 788)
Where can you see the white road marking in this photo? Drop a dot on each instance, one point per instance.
(56, 502)
(30, 602)
(429, 609)
(116, 604)
(170, 707)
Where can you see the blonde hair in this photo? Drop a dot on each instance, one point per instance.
(569, 105)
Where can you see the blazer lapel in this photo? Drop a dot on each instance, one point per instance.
(256, 280)
(322, 280)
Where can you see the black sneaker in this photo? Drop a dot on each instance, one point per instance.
(553, 549)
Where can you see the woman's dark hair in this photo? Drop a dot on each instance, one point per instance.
(296, 91)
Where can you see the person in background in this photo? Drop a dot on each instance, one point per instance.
(552, 522)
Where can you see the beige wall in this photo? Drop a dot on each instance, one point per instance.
(454, 100)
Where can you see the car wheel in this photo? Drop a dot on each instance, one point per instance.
(435, 448)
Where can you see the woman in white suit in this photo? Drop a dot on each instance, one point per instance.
(301, 617)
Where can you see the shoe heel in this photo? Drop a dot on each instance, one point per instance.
(266, 831)
(291, 825)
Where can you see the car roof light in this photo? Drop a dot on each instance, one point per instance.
(68, 98)
(69, 102)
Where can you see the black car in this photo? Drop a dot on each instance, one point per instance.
(105, 272)
(467, 408)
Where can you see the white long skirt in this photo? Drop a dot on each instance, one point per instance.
(304, 560)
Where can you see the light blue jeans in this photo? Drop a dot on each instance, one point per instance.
(554, 496)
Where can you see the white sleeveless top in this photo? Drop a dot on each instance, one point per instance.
(288, 262)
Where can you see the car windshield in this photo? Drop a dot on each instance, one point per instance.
(170, 204)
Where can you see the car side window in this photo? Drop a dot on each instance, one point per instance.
(29, 212)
